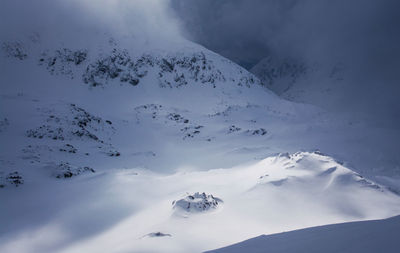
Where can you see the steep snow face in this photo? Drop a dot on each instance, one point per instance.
(136, 210)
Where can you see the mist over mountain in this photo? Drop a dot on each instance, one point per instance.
(81, 22)
(360, 35)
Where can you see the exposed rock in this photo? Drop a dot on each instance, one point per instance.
(62, 61)
(260, 131)
(78, 124)
(66, 170)
(177, 70)
(157, 234)
(198, 202)
(68, 148)
(191, 131)
(13, 178)
(46, 131)
(114, 153)
(177, 118)
(233, 129)
(172, 70)
(117, 64)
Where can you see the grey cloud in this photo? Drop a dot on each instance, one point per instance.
(79, 20)
(364, 35)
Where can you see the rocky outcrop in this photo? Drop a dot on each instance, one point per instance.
(62, 61)
(197, 203)
(172, 70)
(77, 125)
(66, 170)
(12, 178)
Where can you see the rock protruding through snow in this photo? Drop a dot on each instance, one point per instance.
(12, 178)
(66, 170)
(157, 234)
(197, 203)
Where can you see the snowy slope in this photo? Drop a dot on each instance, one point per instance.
(80, 88)
(141, 211)
(367, 236)
(109, 147)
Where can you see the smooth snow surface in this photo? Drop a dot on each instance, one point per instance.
(354, 237)
(113, 211)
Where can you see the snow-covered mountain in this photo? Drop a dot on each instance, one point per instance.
(280, 75)
(115, 147)
(301, 80)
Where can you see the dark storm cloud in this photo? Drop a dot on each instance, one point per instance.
(362, 34)
(241, 30)
(250, 29)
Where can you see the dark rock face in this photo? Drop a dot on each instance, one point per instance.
(260, 131)
(46, 131)
(68, 148)
(86, 123)
(183, 68)
(66, 170)
(233, 129)
(177, 118)
(114, 153)
(66, 125)
(198, 202)
(61, 62)
(172, 70)
(80, 124)
(13, 178)
(117, 64)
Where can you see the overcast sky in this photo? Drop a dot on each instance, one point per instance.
(74, 20)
